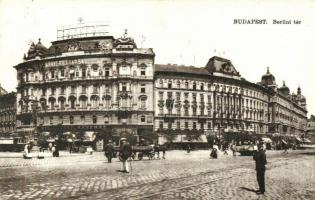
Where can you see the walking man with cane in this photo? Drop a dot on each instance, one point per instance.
(125, 151)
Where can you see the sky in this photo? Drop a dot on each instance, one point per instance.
(185, 32)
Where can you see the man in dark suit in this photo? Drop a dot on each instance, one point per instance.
(109, 151)
(125, 151)
(261, 161)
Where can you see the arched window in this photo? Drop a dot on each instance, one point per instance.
(83, 102)
(178, 84)
(161, 82)
(95, 101)
(201, 86)
(72, 102)
(186, 85)
(169, 85)
(194, 86)
(62, 103)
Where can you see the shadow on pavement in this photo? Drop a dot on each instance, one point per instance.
(249, 189)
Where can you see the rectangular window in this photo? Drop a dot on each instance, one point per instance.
(161, 125)
(209, 125)
(169, 125)
(178, 125)
(142, 72)
(106, 72)
(194, 125)
(62, 90)
(202, 125)
(62, 72)
(177, 96)
(186, 125)
(71, 120)
(124, 87)
(142, 88)
(94, 119)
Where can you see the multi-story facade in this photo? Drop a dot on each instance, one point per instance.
(213, 99)
(288, 114)
(86, 84)
(7, 114)
(92, 83)
(310, 134)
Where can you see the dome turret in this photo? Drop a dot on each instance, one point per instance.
(284, 89)
(268, 79)
(125, 42)
(36, 50)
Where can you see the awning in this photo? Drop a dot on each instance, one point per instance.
(298, 139)
(71, 71)
(50, 140)
(307, 140)
(266, 140)
(185, 139)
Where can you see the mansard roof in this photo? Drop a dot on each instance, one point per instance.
(180, 69)
(221, 65)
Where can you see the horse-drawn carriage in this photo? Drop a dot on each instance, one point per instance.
(138, 151)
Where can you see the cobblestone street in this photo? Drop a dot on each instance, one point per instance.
(180, 176)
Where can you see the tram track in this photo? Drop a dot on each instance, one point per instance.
(160, 187)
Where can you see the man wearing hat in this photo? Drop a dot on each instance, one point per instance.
(261, 161)
(125, 151)
(109, 151)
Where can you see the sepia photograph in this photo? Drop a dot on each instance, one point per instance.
(157, 99)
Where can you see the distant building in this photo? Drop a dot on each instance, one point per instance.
(2, 91)
(311, 129)
(7, 114)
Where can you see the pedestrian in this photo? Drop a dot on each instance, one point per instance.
(214, 153)
(261, 161)
(233, 148)
(285, 148)
(225, 148)
(188, 148)
(26, 153)
(53, 149)
(125, 151)
(157, 150)
(109, 151)
(50, 146)
(163, 148)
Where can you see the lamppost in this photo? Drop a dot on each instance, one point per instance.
(34, 107)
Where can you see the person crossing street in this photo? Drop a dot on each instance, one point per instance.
(109, 151)
(125, 151)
